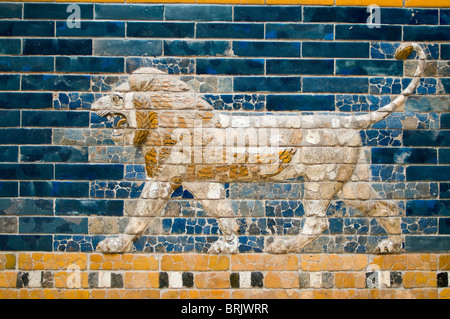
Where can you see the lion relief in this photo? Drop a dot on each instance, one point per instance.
(185, 142)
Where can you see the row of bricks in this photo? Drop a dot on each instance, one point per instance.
(223, 13)
(116, 172)
(385, 3)
(224, 280)
(216, 48)
(239, 262)
(419, 293)
(84, 154)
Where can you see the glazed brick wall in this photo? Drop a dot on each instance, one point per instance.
(63, 182)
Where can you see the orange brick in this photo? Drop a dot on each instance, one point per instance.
(316, 294)
(318, 2)
(31, 294)
(427, 3)
(212, 280)
(445, 293)
(181, 294)
(232, 1)
(71, 280)
(8, 279)
(253, 262)
(284, 280)
(350, 280)
(406, 262)
(381, 3)
(419, 279)
(265, 294)
(52, 261)
(350, 294)
(214, 294)
(333, 262)
(424, 293)
(444, 262)
(141, 280)
(195, 262)
(8, 294)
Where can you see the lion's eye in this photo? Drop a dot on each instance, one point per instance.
(117, 99)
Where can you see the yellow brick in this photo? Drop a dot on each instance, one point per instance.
(181, 294)
(8, 294)
(52, 261)
(419, 279)
(333, 262)
(427, 3)
(141, 280)
(444, 262)
(8, 279)
(194, 262)
(445, 293)
(350, 280)
(381, 3)
(145, 263)
(265, 294)
(406, 262)
(231, 1)
(286, 280)
(253, 262)
(165, 1)
(317, 2)
(7, 261)
(212, 280)
(71, 280)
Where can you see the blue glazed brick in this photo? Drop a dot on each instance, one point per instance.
(9, 82)
(287, 208)
(25, 136)
(8, 189)
(26, 242)
(444, 156)
(444, 226)
(300, 66)
(360, 103)
(426, 103)
(404, 156)
(446, 84)
(230, 66)
(10, 46)
(53, 154)
(116, 189)
(387, 173)
(54, 189)
(445, 121)
(251, 244)
(369, 67)
(426, 138)
(160, 29)
(271, 191)
(196, 48)
(26, 171)
(26, 64)
(57, 46)
(428, 173)
(427, 243)
(89, 64)
(89, 171)
(230, 30)
(445, 17)
(445, 190)
(335, 49)
(266, 84)
(10, 10)
(426, 33)
(428, 207)
(92, 29)
(299, 31)
(55, 11)
(27, 28)
(51, 82)
(8, 153)
(128, 47)
(26, 206)
(128, 12)
(76, 243)
(360, 15)
(198, 12)
(100, 207)
(381, 137)
(53, 225)
(335, 85)
(266, 49)
(362, 32)
(169, 65)
(419, 226)
(237, 101)
(55, 118)
(445, 51)
(268, 13)
(301, 102)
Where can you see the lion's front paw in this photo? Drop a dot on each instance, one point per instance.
(115, 245)
(388, 246)
(225, 245)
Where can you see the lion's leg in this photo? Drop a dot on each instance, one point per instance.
(212, 197)
(153, 198)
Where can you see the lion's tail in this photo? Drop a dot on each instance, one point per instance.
(402, 53)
